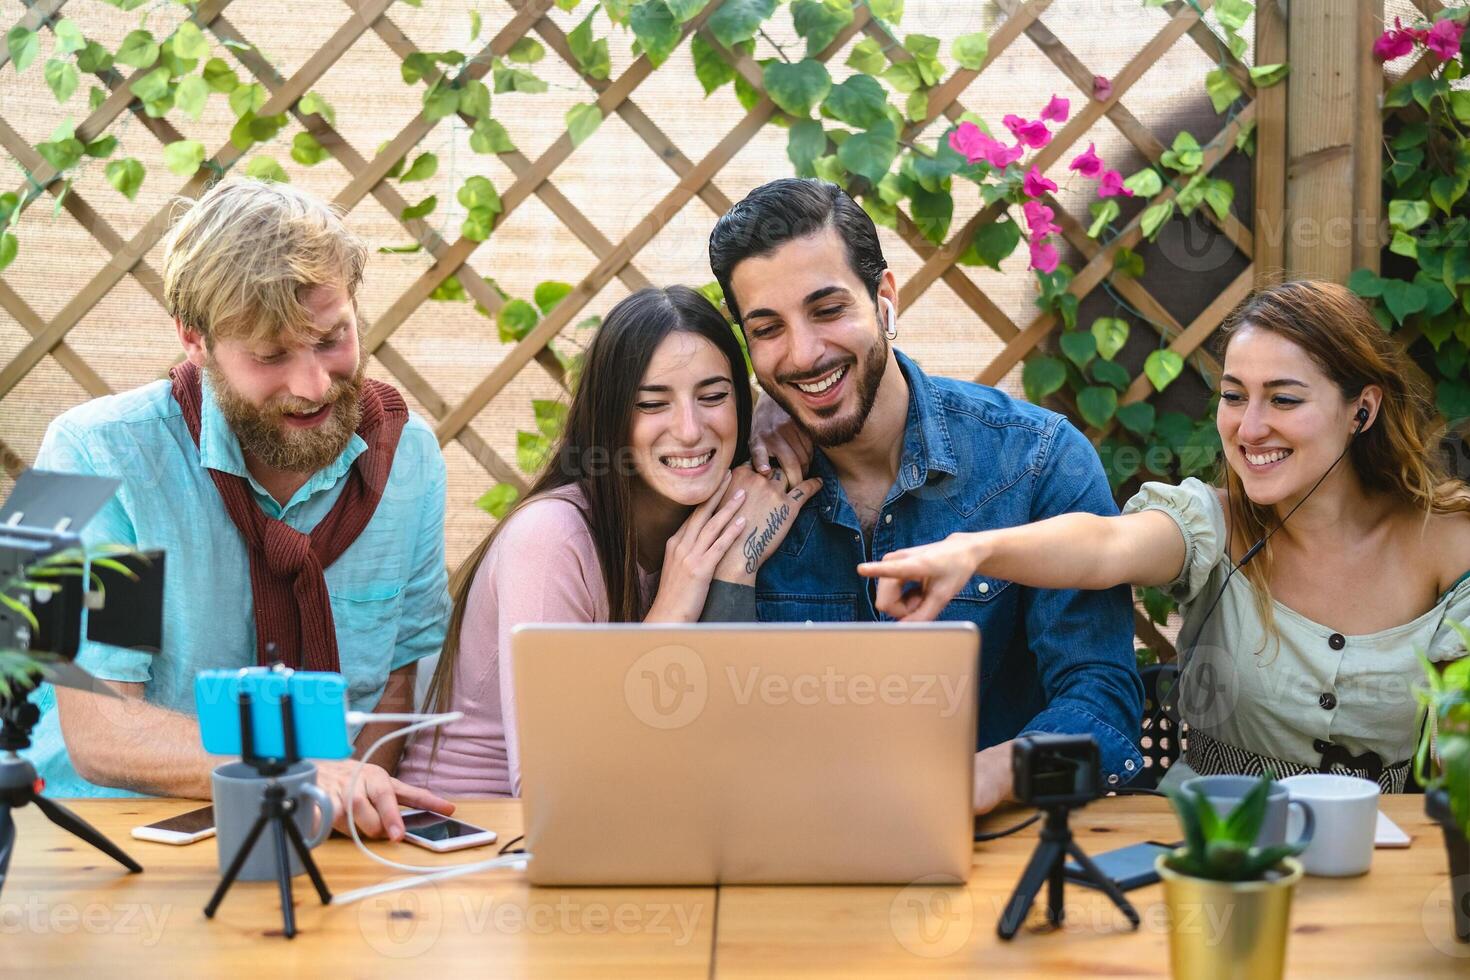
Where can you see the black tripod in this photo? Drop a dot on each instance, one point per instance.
(1047, 866)
(276, 810)
(19, 786)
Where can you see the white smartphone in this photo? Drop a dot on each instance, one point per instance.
(440, 833)
(186, 828)
(1388, 833)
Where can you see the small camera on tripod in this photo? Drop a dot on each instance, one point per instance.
(1056, 770)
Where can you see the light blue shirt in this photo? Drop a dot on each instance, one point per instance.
(388, 590)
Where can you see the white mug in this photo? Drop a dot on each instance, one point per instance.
(1347, 818)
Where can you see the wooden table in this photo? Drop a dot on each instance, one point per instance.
(67, 910)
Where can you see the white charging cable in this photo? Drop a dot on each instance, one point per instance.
(425, 872)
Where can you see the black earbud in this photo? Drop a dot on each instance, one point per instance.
(1362, 418)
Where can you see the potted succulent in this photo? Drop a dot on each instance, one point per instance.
(1229, 901)
(1442, 766)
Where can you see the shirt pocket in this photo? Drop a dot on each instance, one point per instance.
(367, 631)
(783, 607)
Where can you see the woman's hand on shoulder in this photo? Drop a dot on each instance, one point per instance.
(769, 508)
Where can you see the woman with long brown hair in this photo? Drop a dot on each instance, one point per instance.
(632, 519)
(1354, 543)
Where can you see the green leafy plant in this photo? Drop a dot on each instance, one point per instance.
(1443, 758)
(1222, 848)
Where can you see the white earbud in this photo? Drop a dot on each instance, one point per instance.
(892, 331)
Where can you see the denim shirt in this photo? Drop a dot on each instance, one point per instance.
(1052, 661)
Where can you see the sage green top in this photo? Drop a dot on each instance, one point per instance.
(1317, 687)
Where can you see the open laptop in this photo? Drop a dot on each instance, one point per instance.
(751, 753)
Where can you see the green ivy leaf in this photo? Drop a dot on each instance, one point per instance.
(415, 67)
(1079, 347)
(1265, 76)
(710, 67)
(138, 50)
(478, 192)
(94, 58)
(970, 50)
(1446, 190)
(478, 223)
(183, 157)
(1404, 299)
(219, 76)
(1452, 398)
(23, 46)
(1407, 215)
(190, 42)
(1127, 262)
(1104, 212)
(101, 147)
(860, 102)
(68, 37)
(1110, 334)
(819, 23)
(591, 53)
(1234, 13)
(993, 243)
(62, 78)
(152, 87)
(247, 98)
(1223, 89)
(806, 141)
(1137, 418)
(738, 20)
(1111, 373)
(1096, 404)
(925, 50)
(1366, 283)
(870, 154)
(582, 122)
(531, 451)
(656, 28)
(1185, 156)
(1162, 367)
(515, 80)
(515, 320)
(490, 136)
(1153, 218)
(867, 57)
(306, 151)
(526, 51)
(889, 10)
(191, 95)
(424, 166)
(551, 416)
(421, 210)
(932, 212)
(1042, 376)
(440, 100)
(266, 168)
(796, 88)
(1219, 195)
(1404, 244)
(548, 294)
(126, 176)
(1145, 183)
(498, 500)
(62, 154)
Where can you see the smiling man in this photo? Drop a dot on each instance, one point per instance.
(300, 506)
(908, 459)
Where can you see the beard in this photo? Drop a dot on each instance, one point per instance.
(263, 432)
(827, 430)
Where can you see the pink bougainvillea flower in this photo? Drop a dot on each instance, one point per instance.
(1102, 88)
(1036, 183)
(1088, 164)
(1044, 256)
(1056, 110)
(1112, 185)
(1029, 132)
(1004, 155)
(1038, 220)
(1393, 44)
(1444, 38)
(979, 146)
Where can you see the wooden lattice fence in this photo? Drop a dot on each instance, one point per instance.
(1181, 311)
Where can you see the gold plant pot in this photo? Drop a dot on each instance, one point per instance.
(1228, 930)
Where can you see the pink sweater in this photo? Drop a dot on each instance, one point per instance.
(542, 568)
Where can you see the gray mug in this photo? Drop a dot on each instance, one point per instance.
(238, 791)
(1226, 792)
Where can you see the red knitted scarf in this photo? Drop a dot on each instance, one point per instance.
(287, 580)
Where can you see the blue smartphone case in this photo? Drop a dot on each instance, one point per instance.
(318, 710)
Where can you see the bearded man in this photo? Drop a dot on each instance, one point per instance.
(300, 507)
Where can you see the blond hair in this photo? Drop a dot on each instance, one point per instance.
(237, 261)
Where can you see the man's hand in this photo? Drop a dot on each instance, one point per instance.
(773, 433)
(769, 509)
(375, 805)
(993, 779)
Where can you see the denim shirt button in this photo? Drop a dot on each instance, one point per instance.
(1113, 779)
(914, 472)
(984, 588)
(887, 518)
(1128, 764)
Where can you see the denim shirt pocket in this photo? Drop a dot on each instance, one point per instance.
(785, 607)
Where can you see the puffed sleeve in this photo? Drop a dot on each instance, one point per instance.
(1447, 643)
(1195, 508)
